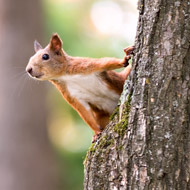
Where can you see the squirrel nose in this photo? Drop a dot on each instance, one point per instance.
(29, 70)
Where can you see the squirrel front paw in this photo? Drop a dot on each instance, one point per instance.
(128, 51)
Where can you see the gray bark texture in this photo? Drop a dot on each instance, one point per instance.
(27, 161)
(147, 143)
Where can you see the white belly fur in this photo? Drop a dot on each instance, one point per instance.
(90, 88)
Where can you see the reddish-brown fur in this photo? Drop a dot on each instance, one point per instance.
(60, 64)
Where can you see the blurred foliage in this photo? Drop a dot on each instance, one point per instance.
(70, 136)
(71, 20)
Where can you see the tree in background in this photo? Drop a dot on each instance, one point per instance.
(147, 144)
(26, 158)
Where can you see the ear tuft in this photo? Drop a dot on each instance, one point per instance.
(37, 46)
(56, 44)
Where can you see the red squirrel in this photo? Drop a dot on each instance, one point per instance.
(89, 85)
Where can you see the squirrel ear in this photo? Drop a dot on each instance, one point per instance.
(56, 44)
(37, 46)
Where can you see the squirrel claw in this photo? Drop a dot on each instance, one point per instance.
(128, 51)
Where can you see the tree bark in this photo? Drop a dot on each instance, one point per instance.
(27, 161)
(147, 143)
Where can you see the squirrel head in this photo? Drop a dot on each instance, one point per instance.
(48, 63)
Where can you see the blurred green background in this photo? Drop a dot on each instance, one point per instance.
(88, 28)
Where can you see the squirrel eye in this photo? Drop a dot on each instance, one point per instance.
(45, 56)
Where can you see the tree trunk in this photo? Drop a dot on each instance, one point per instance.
(26, 157)
(147, 143)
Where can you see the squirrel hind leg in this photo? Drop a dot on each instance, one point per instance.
(96, 136)
(101, 116)
(102, 119)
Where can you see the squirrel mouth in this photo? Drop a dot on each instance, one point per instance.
(35, 76)
(38, 76)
